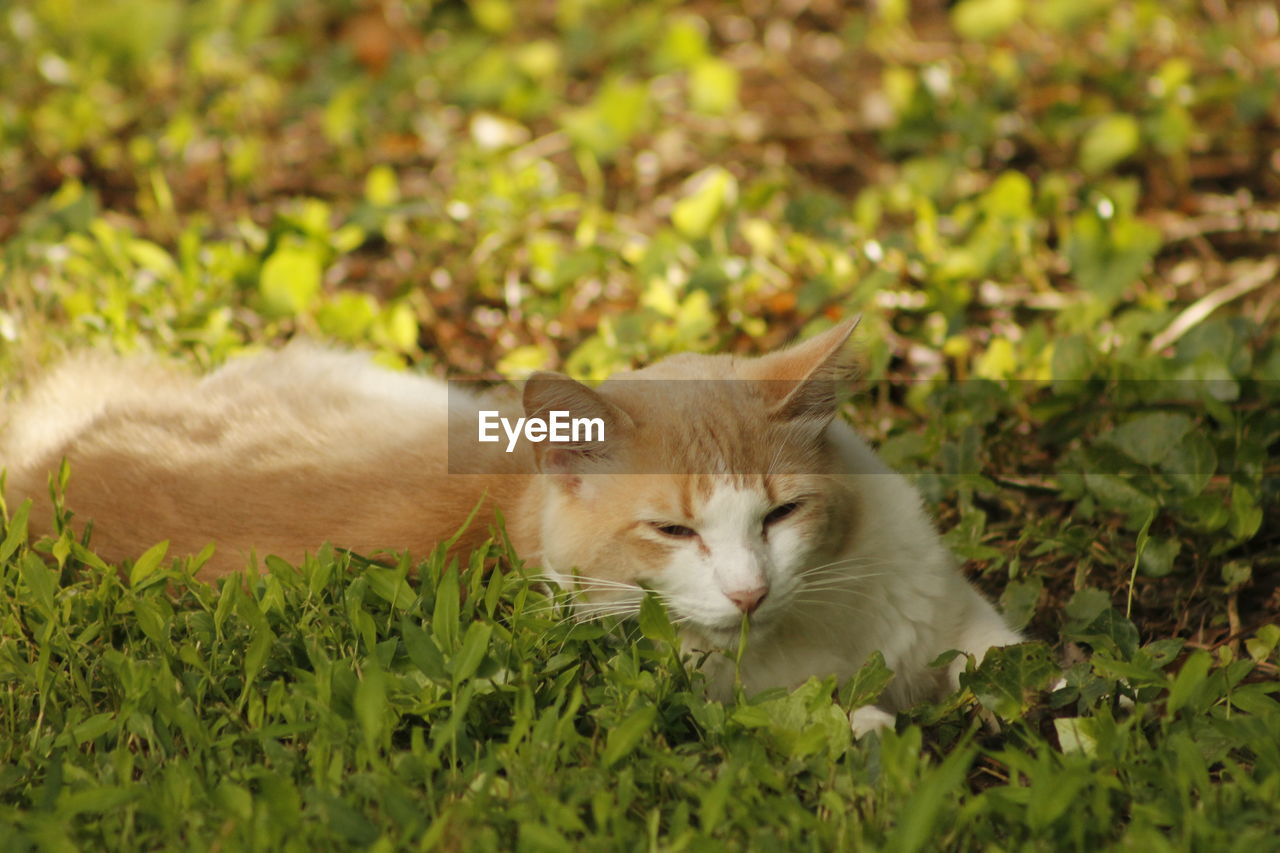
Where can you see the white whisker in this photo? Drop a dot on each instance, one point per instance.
(583, 581)
(838, 605)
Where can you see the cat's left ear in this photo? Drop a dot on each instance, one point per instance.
(801, 381)
(595, 438)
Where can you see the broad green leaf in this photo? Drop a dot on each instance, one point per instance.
(985, 19)
(152, 258)
(94, 727)
(1205, 513)
(1111, 140)
(381, 188)
(520, 362)
(683, 44)
(867, 683)
(256, 654)
(62, 547)
(925, 806)
(1137, 673)
(496, 16)
(228, 596)
(41, 580)
(1158, 556)
(999, 361)
(713, 87)
(1264, 643)
(474, 645)
(1008, 676)
(626, 736)
(540, 838)
(1087, 604)
(16, 532)
(397, 328)
(348, 315)
(1108, 255)
(342, 113)
(619, 111)
(1246, 515)
(1191, 466)
(1149, 439)
(1009, 197)
(1075, 734)
(1066, 15)
(147, 614)
(654, 622)
(1052, 801)
(106, 798)
(1186, 684)
(1253, 699)
(1073, 358)
(1018, 601)
(391, 586)
(147, 564)
(234, 798)
(539, 58)
(371, 703)
(711, 809)
(714, 192)
(343, 819)
(1109, 629)
(89, 558)
(422, 650)
(290, 280)
(1119, 493)
(446, 614)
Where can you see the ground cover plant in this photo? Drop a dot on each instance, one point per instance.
(1060, 222)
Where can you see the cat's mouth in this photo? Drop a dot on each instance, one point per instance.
(725, 635)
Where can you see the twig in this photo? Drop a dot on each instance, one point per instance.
(1233, 623)
(542, 147)
(1197, 311)
(1227, 222)
(1028, 484)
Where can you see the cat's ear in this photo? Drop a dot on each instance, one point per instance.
(595, 426)
(801, 381)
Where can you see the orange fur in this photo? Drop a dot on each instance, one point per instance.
(725, 485)
(274, 454)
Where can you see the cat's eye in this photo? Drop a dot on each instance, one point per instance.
(780, 512)
(675, 531)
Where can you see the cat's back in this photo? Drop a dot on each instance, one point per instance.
(66, 399)
(303, 398)
(277, 452)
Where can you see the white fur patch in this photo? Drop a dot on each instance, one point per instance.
(867, 719)
(732, 557)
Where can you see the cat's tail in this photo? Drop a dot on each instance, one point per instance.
(65, 402)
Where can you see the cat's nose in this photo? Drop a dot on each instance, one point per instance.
(747, 600)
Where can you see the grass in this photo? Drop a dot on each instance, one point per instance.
(343, 704)
(1058, 220)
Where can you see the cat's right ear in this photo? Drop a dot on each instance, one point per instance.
(596, 426)
(801, 381)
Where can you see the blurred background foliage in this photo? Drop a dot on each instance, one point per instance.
(1071, 205)
(1051, 196)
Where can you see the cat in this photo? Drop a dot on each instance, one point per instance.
(740, 495)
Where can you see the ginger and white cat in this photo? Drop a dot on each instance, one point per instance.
(757, 500)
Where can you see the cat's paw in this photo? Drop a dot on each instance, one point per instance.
(867, 719)
(1122, 700)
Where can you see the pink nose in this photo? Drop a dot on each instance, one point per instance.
(747, 600)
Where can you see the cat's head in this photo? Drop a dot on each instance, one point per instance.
(713, 486)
